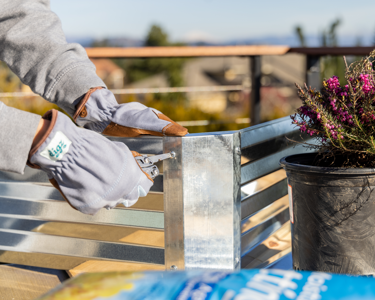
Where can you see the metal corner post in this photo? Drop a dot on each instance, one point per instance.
(202, 202)
(173, 206)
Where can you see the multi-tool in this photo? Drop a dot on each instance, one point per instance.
(147, 163)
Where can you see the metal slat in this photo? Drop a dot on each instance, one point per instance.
(259, 233)
(252, 204)
(24, 190)
(142, 144)
(28, 190)
(269, 138)
(271, 146)
(37, 176)
(30, 175)
(61, 211)
(265, 131)
(268, 164)
(20, 224)
(13, 240)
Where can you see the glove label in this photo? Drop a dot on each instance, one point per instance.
(57, 147)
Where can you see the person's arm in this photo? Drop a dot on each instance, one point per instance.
(33, 45)
(17, 132)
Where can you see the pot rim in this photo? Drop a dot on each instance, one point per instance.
(287, 164)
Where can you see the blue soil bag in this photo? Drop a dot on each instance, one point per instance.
(263, 284)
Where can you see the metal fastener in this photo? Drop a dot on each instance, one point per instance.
(174, 267)
(238, 150)
(173, 154)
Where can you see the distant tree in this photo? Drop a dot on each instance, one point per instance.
(138, 69)
(329, 37)
(156, 37)
(301, 36)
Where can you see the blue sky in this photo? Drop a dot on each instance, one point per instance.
(214, 20)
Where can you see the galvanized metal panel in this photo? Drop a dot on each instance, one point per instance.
(142, 144)
(30, 175)
(271, 146)
(265, 131)
(211, 197)
(259, 233)
(268, 164)
(253, 203)
(27, 190)
(173, 206)
(54, 210)
(21, 241)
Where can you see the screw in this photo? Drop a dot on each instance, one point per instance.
(173, 154)
(154, 172)
(174, 267)
(237, 260)
(147, 160)
(238, 150)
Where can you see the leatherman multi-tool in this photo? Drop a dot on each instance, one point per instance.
(147, 163)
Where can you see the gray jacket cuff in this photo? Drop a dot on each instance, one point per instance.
(17, 132)
(72, 85)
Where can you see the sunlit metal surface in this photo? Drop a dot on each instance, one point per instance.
(143, 144)
(271, 251)
(268, 164)
(174, 206)
(50, 210)
(253, 203)
(207, 201)
(260, 232)
(266, 131)
(43, 243)
(204, 221)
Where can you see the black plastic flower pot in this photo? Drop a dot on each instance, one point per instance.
(332, 211)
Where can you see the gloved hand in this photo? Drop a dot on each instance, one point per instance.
(99, 111)
(90, 171)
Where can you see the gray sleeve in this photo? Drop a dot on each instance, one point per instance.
(17, 130)
(34, 47)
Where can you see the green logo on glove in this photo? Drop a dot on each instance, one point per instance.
(59, 149)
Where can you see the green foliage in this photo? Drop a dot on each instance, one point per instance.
(301, 36)
(138, 69)
(156, 37)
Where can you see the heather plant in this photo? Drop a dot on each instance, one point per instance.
(341, 118)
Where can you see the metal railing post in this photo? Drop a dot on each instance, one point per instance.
(202, 212)
(256, 74)
(313, 71)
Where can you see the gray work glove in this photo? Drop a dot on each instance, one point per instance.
(90, 171)
(99, 111)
